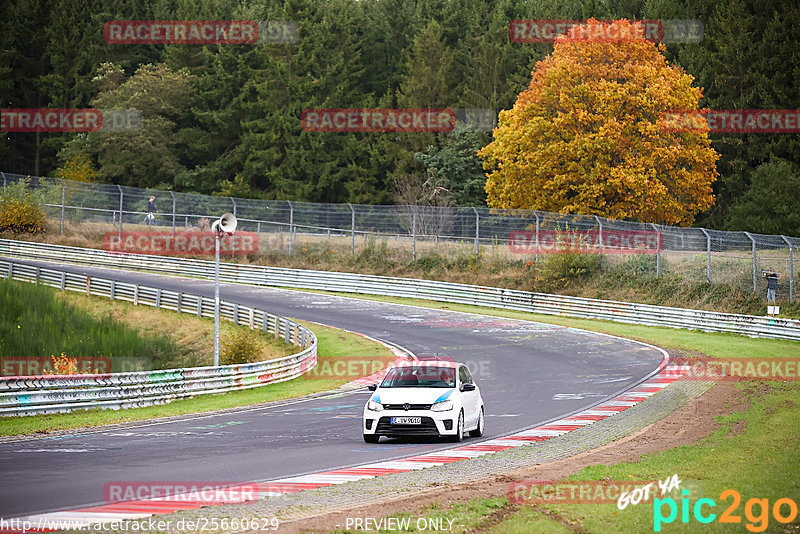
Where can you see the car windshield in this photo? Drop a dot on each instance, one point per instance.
(420, 377)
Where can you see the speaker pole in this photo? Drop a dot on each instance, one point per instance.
(216, 296)
(224, 225)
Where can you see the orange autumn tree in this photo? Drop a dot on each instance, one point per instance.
(585, 136)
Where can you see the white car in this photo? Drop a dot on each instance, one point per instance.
(424, 398)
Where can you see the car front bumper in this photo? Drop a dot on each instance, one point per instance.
(433, 423)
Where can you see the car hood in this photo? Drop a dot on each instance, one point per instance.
(412, 395)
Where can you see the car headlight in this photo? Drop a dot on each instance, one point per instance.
(374, 406)
(442, 406)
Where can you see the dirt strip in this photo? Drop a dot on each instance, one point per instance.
(686, 426)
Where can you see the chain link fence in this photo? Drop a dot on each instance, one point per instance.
(696, 254)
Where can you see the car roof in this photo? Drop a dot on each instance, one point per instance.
(427, 363)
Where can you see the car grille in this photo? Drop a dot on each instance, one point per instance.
(410, 407)
(427, 427)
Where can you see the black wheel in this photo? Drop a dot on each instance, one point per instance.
(459, 429)
(478, 432)
(371, 438)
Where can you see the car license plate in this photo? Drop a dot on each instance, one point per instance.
(406, 420)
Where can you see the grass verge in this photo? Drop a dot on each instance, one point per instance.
(334, 345)
(40, 321)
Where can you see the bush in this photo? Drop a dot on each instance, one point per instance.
(241, 346)
(21, 215)
(640, 265)
(559, 270)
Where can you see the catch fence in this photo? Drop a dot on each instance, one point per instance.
(291, 227)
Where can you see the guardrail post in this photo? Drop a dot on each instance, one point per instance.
(414, 233)
(477, 232)
(755, 262)
(235, 313)
(658, 250)
(708, 254)
(88, 285)
(113, 289)
(158, 298)
(120, 210)
(291, 226)
(63, 201)
(63, 280)
(536, 259)
(791, 268)
(173, 212)
(234, 205)
(136, 294)
(10, 275)
(180, 297)
(352, 230)
(200, 310)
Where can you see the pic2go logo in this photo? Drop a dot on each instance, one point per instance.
(783, 510)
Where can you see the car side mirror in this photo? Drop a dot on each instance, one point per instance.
(467, 387)
(372, 387)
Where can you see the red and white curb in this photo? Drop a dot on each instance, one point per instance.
(140, 509)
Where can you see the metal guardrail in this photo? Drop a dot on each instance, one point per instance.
(27, 395)
(493, 297)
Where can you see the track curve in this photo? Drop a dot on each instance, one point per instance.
(529, 373)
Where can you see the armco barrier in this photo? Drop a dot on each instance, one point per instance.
(643, 314)
(27, 395)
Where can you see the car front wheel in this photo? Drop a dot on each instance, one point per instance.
(478, 432)
(459, 428)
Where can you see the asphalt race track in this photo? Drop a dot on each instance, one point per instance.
(529, 373)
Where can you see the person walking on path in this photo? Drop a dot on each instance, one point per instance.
(150, 218)
(772, 285)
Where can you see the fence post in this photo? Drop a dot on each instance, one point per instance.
(537, 236)
(63, 200)
(755, 262)
(352, 230)
(477, 232)
(658, 250)
(120, 210)
(413, 233)
(291, 226)
(600, 235)
(173, 212)
(791, 268)
(708, 254)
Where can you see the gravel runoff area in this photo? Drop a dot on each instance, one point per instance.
(295, 507)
